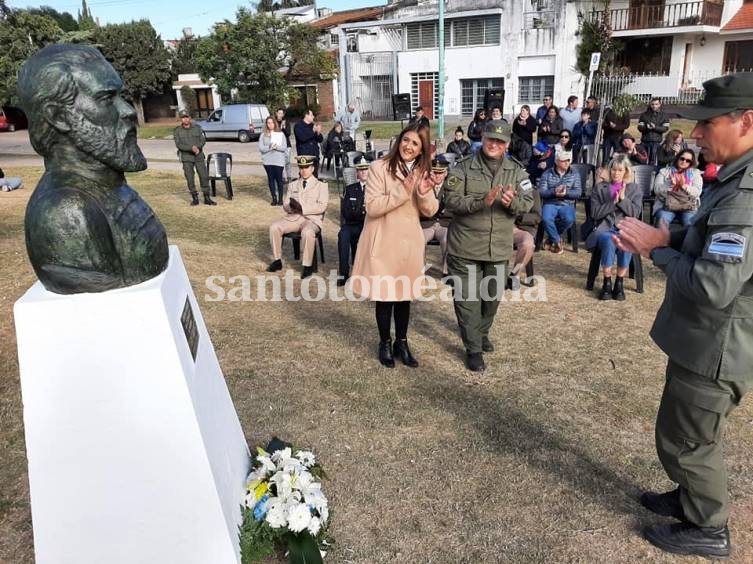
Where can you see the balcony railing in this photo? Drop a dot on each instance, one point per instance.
(659, 15)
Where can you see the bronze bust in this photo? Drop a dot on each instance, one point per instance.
(86, 229)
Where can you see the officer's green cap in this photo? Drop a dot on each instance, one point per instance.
(497, 129)
(723, 95)
(304, 161)
(183, 113)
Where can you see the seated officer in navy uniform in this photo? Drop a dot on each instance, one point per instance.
(436, 226)
(352, 216)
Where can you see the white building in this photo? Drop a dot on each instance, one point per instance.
(527, 48)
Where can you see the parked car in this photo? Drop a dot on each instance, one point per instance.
(12, 118)
(243, 122)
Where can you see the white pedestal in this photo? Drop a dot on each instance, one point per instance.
(135, 452)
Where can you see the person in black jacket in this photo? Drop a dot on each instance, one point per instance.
(476, 128)
(551, 125)
(525, 125)
(352, 216)
(614, 126)
(459, 146)
(653, 124)
(420, 118)
(308, 135)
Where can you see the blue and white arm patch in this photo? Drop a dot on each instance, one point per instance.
(726, 247)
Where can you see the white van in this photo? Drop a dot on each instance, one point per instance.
(243, 122)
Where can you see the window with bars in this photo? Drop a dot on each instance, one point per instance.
(464, 32)
(738, 56)
(473, 91)
(532, 89)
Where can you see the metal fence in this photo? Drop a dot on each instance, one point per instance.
(372, 76)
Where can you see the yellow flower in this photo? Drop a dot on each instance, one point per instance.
(260, 490)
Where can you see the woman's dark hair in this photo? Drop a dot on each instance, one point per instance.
(525, 107)
(555, 108)
(569, 145)
(477, 115)
(682, 153)
(423, 162)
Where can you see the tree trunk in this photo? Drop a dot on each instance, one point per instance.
(139, 107)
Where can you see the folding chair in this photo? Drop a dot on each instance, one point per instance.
(220, 166)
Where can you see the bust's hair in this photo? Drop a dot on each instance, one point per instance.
(49, 76)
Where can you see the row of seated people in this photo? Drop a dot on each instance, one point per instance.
(557, 191)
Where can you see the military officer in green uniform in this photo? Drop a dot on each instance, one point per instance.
(704, 325)
(484, 194)
(190, 141)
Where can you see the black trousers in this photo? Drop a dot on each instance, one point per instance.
(347, 241)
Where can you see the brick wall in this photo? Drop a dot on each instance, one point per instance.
(326, 99)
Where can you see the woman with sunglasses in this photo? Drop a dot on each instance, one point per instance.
(475, 128)
(677, 188)
(565, 143)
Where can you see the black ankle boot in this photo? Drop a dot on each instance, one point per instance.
(274, 201)
(619, 292)
(401, 350)
(274, 266)
(209, 201)
(385, 354)
(194, 199)
(606, 289)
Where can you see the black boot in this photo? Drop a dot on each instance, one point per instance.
(274, 266)
(666, 504)
(401, 350)
(385, 354)
(687, 538)
(606, 289)
(209, 201)
(274, 201)
(475, 362)
(307, 271)
(619, 292)
(194, 199)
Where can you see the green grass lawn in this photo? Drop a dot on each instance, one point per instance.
(538, 460)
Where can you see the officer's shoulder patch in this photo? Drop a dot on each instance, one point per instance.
(452, 181)
(727, 247)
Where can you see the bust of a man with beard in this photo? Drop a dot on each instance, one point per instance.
(86, 229)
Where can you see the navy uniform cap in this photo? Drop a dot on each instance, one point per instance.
(723, 95)
(305, 160)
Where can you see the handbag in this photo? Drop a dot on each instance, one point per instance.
(677, 201)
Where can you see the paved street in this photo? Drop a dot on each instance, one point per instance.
(16, 150)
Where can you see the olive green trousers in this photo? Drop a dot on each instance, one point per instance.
(689, 433)
(477, 290)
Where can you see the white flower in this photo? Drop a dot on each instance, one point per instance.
(323, 514)
(276, 513)
(250, 500)
(314, 525)
(299, 518)
(306, 457)
(303, 481)
(284, 483)
(266, 467)
(282, 454)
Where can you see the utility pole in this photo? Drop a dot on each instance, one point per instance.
(440, 125)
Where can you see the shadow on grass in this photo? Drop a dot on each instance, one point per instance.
(507, 430)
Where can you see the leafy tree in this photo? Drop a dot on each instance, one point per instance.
(184, 56)
(138, 54)
(65, 20)
(257, 53)
(270, 5)
(21, 35)
(188, 96)
(596, 37)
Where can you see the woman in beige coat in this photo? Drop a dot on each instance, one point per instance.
(388, 267)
